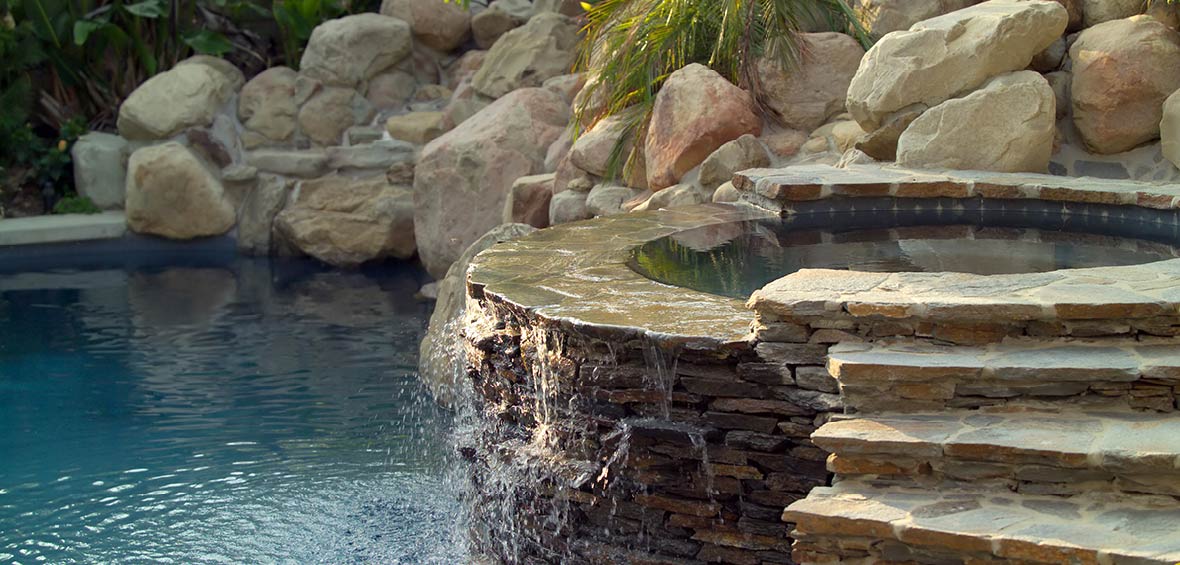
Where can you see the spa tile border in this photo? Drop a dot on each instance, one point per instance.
(577, 277)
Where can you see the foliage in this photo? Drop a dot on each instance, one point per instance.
(19, 56)
(75, 204)
(296, 20)
(631, 46)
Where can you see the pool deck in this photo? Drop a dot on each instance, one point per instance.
(62, 229)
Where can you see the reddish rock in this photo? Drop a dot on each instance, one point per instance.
(696, 112)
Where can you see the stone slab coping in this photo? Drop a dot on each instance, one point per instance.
(1089, 528)
(1016, 361)
(1125, 292)
(577, 275)
(1118, 441)
(62, 228)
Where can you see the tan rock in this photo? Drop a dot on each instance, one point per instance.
(1170, 128)
(951, 54)
(417, 127)
(543, 48)
(745, 152)
(568, 206)
(490, 24)
(1006, 126)
(675, 197)
(1122, 72)
(528, 201)
(264, 200)
(438, 25)
(784, 142)
(174, 100)
(330, 112)
(344, 221)
(172, 194)
(881, 143)
(592, 151)
(880, 17)
(267, 106)
(463, 178)
(1095, 12)
(805, 97)
(696, 112)
(608, 199)
(350, 50)
(391, 89)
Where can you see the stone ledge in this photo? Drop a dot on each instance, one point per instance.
(62, 229)
(576, 275)
(846, 519)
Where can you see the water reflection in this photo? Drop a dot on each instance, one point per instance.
(242, 411)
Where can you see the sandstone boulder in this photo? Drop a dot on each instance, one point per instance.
(1170, 128)
(345, 221)
(261, 204)
(231, 73)
(745, 152)
(696, 111)
(608, 199)
(1123, 70)
(172, 194)
(528, 201)
(880, 17)
(439, 364)
(805, 97)
(568, 206)
(174, 100)
(267, 104)
(100, 168)
(1095, 12)
(417, 127)
(675, 197)
(330, 112)
(463, 178)
(592, 151)
(489, 25)
(543, 48)
(350, 50)
(436, 24)
(951, 54)
(1006, 126)
(391, 89)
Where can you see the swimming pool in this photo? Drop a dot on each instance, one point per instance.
(212, 410)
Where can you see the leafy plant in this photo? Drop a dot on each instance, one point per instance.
(632, 46)
(296, 20)
(20, 53)
(75, 204)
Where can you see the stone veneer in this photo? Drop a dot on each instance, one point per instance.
(622, 420)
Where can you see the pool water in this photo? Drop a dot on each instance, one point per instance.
(237, 411)
(918, 235)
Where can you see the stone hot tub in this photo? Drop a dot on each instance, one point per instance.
(624, 420)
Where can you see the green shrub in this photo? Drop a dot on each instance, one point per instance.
(75, 204)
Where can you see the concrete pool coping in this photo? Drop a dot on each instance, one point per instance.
(63, 228)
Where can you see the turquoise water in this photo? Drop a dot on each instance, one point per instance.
(212, 412)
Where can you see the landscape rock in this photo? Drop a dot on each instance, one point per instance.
(784, 142)
(465, 102)
(345, 222)
(1006, 126)
(172, 194)
(951, 54)
(569, 8)
(1095, 12)
(567, 86)
(350, 50)
(330, 112)
(881, 143)
(267, 106)
(726, 193)
(1170, 129)
(463, 178)
(805, 97)
(374, 156)
(608, 199)
(174, 100)
(417, 127)
(528, 201)
(745, 152)
(100, 168)
(696, 111)
(309, 163)
(675, 197)
(568, 206)
(262, 203)
(1050, 59)
(543, 48)
(1123, 70)
(463, 68)
(438, 25)
(880, 17)
(592, 150)
(227, 69)
(439, 365)
(489, 25)
(391, 89)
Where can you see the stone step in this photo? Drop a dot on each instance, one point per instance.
(889, 376)
(857, 522)
(1066, 452)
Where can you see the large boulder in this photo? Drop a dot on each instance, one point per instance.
(805, 97)
(1123, 70)
(436, 24)
(267, 106)
(696, 111)
(463, 178)
(330, 112)
(528, 55)
(345, 221)
(491, 24)
(1095, 12)
(1170, 129)
(350, 50)
(947, 56)
(173, 194)
(880, 17)
(439, 364)
(745, 152)
(173, 101)
(528, 201)
(100, 168)
(592, 150)
(1006, 126)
